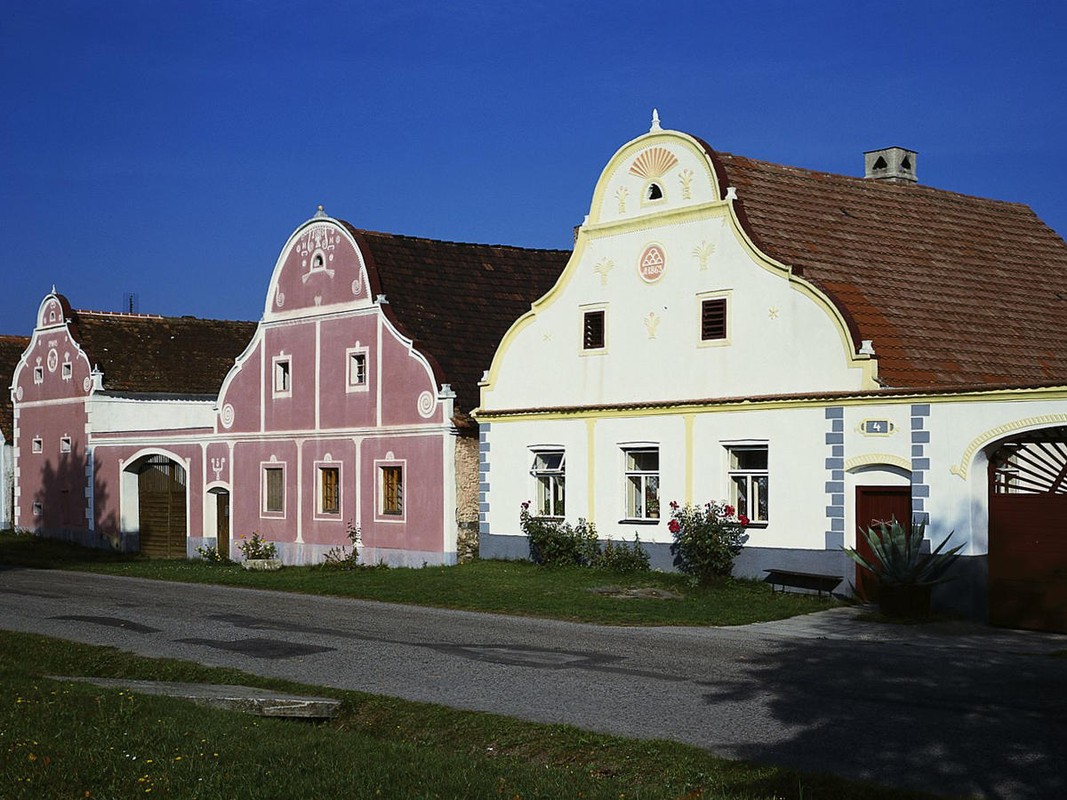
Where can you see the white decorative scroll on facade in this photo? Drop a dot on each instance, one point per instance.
(316, 249)
(427, 404)
(226, 417)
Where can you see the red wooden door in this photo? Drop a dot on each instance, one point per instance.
(875, 504)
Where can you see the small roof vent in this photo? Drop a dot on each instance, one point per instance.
(890, 164)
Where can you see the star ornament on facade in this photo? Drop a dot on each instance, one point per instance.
(773, 312)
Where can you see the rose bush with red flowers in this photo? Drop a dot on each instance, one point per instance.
(706, 539)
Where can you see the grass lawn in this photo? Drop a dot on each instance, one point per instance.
(506, 587)
(60, 739)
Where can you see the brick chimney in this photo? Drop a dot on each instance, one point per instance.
(890, 164)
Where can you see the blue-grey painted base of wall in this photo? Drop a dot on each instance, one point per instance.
(964, 596)
(129, 542)
(291, 554)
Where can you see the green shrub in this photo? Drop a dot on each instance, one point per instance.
(556, 543)
(344, 557)
(706, 540)
(213, 555)
(622, 557)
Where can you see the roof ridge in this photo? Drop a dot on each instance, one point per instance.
(458, 244)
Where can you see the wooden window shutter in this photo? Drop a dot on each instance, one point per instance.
(593, 330)
(713, 319)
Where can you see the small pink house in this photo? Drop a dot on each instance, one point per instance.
(346, 408)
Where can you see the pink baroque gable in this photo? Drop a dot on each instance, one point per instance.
(54, 366)
(319, 268)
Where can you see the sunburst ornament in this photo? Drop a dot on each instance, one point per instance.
(602, 268)
(702, 252)
(653, 163)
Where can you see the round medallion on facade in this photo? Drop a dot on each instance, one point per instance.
(226, 417)
(53, 360)
(18, 394)
(426, 405)
(652, 264)
(87, 384)
(279, 298)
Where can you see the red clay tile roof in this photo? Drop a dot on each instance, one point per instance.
(171, 355)
(456, 301)
(11, 350)
(952, 290)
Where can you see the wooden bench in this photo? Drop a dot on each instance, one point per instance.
(802, 580)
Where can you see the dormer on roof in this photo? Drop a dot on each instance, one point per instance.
(895, 164)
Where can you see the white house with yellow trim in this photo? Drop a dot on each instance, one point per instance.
(806, 347)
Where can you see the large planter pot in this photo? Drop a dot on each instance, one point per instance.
(262, 564)
(912, 602)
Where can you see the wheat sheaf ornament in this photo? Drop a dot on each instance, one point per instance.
(653, 163)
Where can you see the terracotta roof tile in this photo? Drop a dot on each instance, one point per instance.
(456, 300)
(11, 350)
(951, 289)
(172, 355)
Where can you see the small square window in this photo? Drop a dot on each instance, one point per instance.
(68, 370)
(38, 509)
(38, 445)
(392, 490)
(38, 374)
(282, 379)
(329, 490)
(64, 444)
(593, 330)
(713, 319)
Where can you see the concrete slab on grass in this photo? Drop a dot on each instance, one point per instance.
(246, 699)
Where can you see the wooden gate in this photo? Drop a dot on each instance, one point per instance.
(161, 498)
(1028, 531)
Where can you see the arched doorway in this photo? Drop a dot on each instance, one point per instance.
(1028, 531)
(161, 500)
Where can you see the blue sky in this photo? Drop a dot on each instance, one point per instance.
(168, 149)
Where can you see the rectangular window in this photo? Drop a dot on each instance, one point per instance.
(642, 483)
(549, 475)
(329, 490)
(593, 330)
(282, 380)
(68, 370)
(274, 490)
(38, 445)
(750, 481)
(392, 490)
(713, 319)
(38, 374)
(38, 509)
(64, 444)
(357, 369)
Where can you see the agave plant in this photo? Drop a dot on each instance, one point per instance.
(898, 558)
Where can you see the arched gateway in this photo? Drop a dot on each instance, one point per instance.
(161, 501)
(1028, 531)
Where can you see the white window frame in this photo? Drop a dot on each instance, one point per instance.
(281, 376)
(727, 297)
(64, 444)
(380, 466)
(549, 471)
(68, 371)
(636, 484)
(320, 497)
(585, 310)
(264, 511)
(353, 355)
(743, 485)
(37, 445)
(38, 374)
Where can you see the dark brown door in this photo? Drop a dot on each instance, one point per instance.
(876, 504)
(222, 523)
(161, 496)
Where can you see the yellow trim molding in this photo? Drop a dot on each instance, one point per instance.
(998, 432)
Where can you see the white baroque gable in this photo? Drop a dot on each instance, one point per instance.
(649, 264)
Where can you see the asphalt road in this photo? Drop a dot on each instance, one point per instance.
(966, 720)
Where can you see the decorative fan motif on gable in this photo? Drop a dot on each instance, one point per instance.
(653, 163)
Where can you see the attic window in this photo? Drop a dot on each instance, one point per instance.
(38, 374)
(593, 330)
(67, 370)
(38, 445)
(317, 261)
(282, 379)
(654, 192)
(64, 444)
(713, 319)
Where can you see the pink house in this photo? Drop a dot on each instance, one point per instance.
(346, 408)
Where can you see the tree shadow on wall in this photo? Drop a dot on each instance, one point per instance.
(63, 504)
